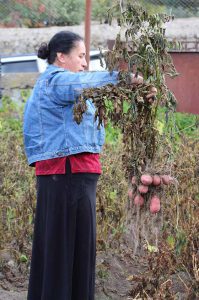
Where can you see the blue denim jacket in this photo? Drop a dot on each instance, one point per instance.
(49, 128)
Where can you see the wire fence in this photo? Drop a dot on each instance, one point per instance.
(178, 8)
(40, 13)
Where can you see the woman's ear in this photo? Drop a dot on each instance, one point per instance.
(61, 57)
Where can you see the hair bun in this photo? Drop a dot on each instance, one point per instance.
(43, 51)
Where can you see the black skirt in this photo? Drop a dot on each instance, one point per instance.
(64, 242)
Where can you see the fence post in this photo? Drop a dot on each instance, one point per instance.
(88, 30)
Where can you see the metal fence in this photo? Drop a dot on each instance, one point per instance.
(40, 13)
(178, 8)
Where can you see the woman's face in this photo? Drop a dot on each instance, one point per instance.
(75, 61)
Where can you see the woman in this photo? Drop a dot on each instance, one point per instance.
(66, 159)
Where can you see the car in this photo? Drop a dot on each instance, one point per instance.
(22, 64)
(30, 63)
(12, 85)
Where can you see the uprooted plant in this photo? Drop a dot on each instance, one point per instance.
(129, 106)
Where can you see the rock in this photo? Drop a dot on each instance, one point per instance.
(11, 263)
(1, 276)
(5, 255)
(11, 295)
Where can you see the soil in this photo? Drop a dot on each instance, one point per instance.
(114, 272)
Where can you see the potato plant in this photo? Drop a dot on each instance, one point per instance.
(129, 106)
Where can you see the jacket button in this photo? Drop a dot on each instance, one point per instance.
(59, 153)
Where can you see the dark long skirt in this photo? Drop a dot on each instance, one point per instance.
(64, 243)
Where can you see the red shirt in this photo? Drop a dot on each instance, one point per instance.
(80, 163)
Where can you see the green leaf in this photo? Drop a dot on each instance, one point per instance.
(23, 258)
(171, 241)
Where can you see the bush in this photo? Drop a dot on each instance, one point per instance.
(38, 14)
(100, 9)
(178, 124)
(17, 184)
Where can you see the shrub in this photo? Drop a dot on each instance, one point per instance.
(17, 184)
(38, 14)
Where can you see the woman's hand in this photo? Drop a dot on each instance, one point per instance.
(151, 95)
(136, 79)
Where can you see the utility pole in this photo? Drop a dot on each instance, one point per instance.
(88, 30)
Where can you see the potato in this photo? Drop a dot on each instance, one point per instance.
(146, 179)
(165, 179)
(143, 189)
(154, 204)
(139, 200)
(156, 180)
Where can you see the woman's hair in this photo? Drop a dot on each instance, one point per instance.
(63, 41)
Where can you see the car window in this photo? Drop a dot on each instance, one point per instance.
(19, 67)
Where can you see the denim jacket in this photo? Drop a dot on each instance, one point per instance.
(49, 127)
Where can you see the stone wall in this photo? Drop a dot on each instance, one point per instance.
(26, 40)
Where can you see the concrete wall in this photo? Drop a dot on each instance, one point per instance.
(12, 85)
(27, 40)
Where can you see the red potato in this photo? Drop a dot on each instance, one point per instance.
(154, 204)
(156, 180)
(143, 189)
(165, 179)
(146, 179)
(139, 200)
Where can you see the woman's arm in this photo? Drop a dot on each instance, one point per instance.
(65, 87)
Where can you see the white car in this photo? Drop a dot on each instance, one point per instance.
(12, 85)
(31, 63)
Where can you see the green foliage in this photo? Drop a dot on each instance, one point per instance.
(113, 134)
(153, 8)
(16, 181)
(10, 116)
(194, 4)
(100, 10)
(179, 8)
(38, 14)
(178, 124)
(64, 12)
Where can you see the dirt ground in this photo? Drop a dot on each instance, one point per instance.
(113, 273)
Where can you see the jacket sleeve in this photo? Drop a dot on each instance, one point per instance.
(65, 87)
